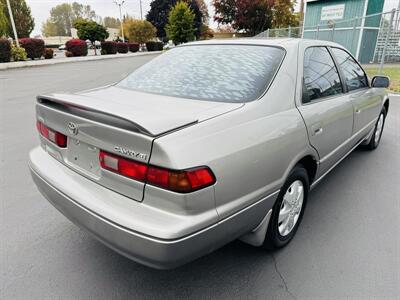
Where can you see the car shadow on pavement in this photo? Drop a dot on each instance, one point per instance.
(237, 269)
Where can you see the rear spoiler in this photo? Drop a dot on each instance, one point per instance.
(92, 114)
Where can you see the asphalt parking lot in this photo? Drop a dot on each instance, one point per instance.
(348, 244)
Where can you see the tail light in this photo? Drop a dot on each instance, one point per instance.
(184, 181)
(53, 136)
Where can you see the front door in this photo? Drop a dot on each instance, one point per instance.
(366, 103)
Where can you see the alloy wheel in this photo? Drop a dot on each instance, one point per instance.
(290, 209)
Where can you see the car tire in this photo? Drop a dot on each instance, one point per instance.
(378, 130)
(278, 235)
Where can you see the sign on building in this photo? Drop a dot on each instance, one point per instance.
(332, 12)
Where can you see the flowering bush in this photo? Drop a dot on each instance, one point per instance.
(5, 50)
(48, 53)
(133, 47)
(108, 47)
(77, 47)
(122, 47)
(34, 47)
(18, 53)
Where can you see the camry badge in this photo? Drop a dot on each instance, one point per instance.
(130, 152)
(72, 128)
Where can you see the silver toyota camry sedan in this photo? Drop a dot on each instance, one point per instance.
(207, 143)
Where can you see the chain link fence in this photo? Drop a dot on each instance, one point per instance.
(374, 40)
(371, 39)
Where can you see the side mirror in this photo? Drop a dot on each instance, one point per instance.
(380, 82)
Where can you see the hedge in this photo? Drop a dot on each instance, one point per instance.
(77, 47)
(5, 50)
(34, 47)
(133, 47)
(108, 47)
(154, 46)
(122, 47)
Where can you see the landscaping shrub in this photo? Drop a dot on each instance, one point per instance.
(77, 47)
(154, 46)
(69, 54)
(108, 48)
(34, 47)
(5, 50)
(18, 53)
(48, 53)
(133, 47)
(122, 47)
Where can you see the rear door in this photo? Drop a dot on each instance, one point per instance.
(366, 103)
(326, 109)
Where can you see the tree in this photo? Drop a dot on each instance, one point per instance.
(206, 32)
(252, 16)
(23, 19)
(110, 22)
(159, 11)
(90, 30)
(139, 31)
(49, 29)
(204, 11)
(180, 27)
(62, 17)
(255, 16)
(284, 15)
(3, 21)
(158, 15)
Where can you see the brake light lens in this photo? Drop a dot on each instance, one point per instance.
(53, 136)
(122, 166)
(184, 181)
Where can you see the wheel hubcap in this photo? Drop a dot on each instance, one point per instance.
(379, 127)
(291, 208)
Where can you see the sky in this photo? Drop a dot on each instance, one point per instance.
(41, 9)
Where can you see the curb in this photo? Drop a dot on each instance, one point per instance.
(55, 61)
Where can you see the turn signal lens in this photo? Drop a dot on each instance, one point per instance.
(184, 181)
(53, 136)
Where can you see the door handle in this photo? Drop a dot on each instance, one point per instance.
(318, 131)
(316, 128)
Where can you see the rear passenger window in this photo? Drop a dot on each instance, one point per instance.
(320, 77)
(354, 76)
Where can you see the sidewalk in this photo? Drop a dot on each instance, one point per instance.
(54, 61)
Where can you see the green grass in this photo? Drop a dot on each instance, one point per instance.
(391, 70)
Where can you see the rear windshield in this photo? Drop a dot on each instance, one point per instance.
(224, 73)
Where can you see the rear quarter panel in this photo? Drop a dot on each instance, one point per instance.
(250, 150)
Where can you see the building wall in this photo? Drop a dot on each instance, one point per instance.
(346, 31)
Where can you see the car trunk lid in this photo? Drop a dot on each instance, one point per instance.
(117, 121)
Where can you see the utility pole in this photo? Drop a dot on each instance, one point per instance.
(141, 12)
(12, 23)
(120, 17)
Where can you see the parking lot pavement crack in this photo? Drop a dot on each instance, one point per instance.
(282, 278)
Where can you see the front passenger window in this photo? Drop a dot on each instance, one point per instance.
(354, 76)
(320, 77)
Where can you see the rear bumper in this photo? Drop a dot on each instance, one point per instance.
(138, 246)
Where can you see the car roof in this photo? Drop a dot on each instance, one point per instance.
(278, 42)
